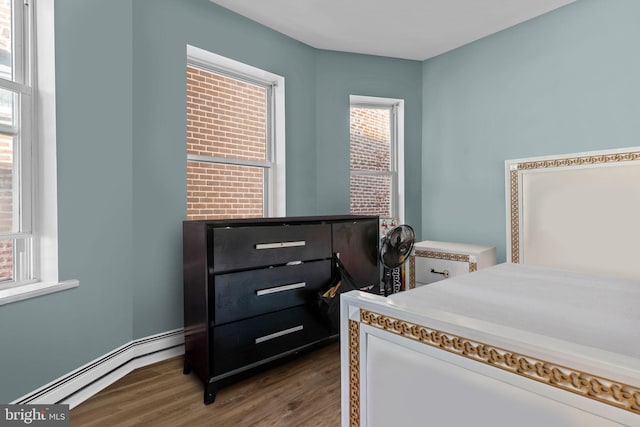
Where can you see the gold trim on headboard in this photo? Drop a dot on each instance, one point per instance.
(515, 217)
(473, 266)
(581, 160)
(354, 373)
(551, 163)
(598, 388)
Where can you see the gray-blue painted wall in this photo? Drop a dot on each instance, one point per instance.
(45, 337)
(337, 76)
(122, 175)
(563, 82)
(161, 31)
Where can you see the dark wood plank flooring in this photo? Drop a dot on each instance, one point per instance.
(303, 391)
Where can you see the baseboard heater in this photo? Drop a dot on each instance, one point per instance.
(84, 382)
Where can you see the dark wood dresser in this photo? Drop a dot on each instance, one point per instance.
(251, 285)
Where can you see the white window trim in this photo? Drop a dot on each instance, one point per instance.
(276, 186)
(397, 155)
(45, 188)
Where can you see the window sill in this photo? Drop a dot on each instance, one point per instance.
(33, 290)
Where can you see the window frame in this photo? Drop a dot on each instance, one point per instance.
(274, 194)
(38, 146)
(19, 86)
(397, 148)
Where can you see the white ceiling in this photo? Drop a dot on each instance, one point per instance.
(410, 29)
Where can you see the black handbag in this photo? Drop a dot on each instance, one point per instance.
(329, 299)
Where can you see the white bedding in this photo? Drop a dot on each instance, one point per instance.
(595, 317)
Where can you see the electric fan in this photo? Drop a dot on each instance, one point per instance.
(395, 248)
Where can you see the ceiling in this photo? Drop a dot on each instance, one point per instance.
(410, 29)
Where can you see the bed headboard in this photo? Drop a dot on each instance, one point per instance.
(577, 211)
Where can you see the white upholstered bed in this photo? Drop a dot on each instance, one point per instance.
(550, 338)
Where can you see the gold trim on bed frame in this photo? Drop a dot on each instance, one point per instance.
(598, 388)
(473, 266)
(552, 163)
(354, 373)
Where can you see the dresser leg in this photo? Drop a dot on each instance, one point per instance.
(187, 367)
(210, 391)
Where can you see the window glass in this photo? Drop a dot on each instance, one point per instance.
(371, 195)
(226, 117)
(217, 190)
(6, 40)
(371, 148)
(370, 139)
(6, 260)
(235, 139)
(7, 103)
(6, 184)
(15, 143)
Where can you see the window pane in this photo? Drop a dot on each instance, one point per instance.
(6, 260)
(225, 117)
(6, 184)
(7, 101)
(5, 40)
(371, 195)
(370, 139)
(217, 191)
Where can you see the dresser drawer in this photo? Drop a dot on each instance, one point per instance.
(246, 342)
(431, 269)
(262, 246)
(250, 293)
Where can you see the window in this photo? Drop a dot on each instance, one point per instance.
(376, 156)
(28, 196)
(235, 139)
(16, 112)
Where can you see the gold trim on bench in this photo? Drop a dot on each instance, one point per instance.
(473, 266)
(598, 388)
(546, 164)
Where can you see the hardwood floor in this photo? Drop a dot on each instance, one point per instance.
(304, 391)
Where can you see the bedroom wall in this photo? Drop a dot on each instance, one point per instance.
(318, 85)
(564, 82)
(161, 31)
(340, 75)
(121, 109)
(43, 338)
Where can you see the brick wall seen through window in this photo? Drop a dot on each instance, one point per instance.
(6, 206)
(226, 118)
(370, 150)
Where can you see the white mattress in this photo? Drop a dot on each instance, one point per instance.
(580, 312)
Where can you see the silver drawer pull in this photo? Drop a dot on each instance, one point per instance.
(281, 288)
(445, 273)
(280, 245)
(279, 334)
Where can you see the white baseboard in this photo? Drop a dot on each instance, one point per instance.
(82, 383)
